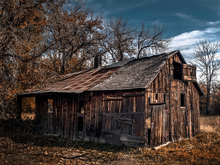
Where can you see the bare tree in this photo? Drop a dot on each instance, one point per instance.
(120, 39)
(205, 55)
(150, 40)
(126, 41)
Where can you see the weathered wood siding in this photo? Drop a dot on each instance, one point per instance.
(180, 121)
(108, 117)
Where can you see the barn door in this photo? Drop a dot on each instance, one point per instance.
(159, 125)
(111, 125)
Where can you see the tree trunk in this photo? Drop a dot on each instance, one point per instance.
(207, 101)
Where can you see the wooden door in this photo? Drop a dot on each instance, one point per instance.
(111, 123)
(159, 125)
(123, 120)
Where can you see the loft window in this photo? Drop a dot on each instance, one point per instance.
(182, 100)
(156, 97)
(50, 105)
(81, 106)
(177, 73)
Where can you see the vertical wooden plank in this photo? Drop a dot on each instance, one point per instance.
(198, 112)
(171, 116)
(161, 124)
(64, 116)
(58, 115)
(145, 120)
(100, 117)
(156, 127)
(55, 115)
(192, 110)
(185, 123)
(163, 138)
(72, 117)
(176, 116)
(152, 127)
(160, 82)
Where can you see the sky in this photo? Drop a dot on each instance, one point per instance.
(187, 21)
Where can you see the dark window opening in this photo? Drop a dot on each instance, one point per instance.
(80, 123)
(182, 100)
(177, 73)
(156, 97)
(50, 106)
(81, 106)
(149, 133)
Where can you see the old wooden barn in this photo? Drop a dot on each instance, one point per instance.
(137, 102)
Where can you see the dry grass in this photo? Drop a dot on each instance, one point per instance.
(210, 124)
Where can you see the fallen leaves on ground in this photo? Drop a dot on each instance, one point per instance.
(19, 145)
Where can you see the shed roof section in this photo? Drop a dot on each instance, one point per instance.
(77, 83)
(136, 74)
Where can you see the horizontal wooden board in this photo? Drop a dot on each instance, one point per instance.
(132, 139)
(120, 114)
(116, 132)
(109, 98)
(134, 95)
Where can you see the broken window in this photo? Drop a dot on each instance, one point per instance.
(81, 106)
(177, 73)
(182, 100)
(50, 105)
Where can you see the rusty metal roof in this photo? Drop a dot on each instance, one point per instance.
(127, 74)
(79, 81)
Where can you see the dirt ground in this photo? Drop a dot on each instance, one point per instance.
(19, 144)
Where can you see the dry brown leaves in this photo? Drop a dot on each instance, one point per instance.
(19, 145)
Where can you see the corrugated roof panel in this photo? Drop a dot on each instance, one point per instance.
(80, 82)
